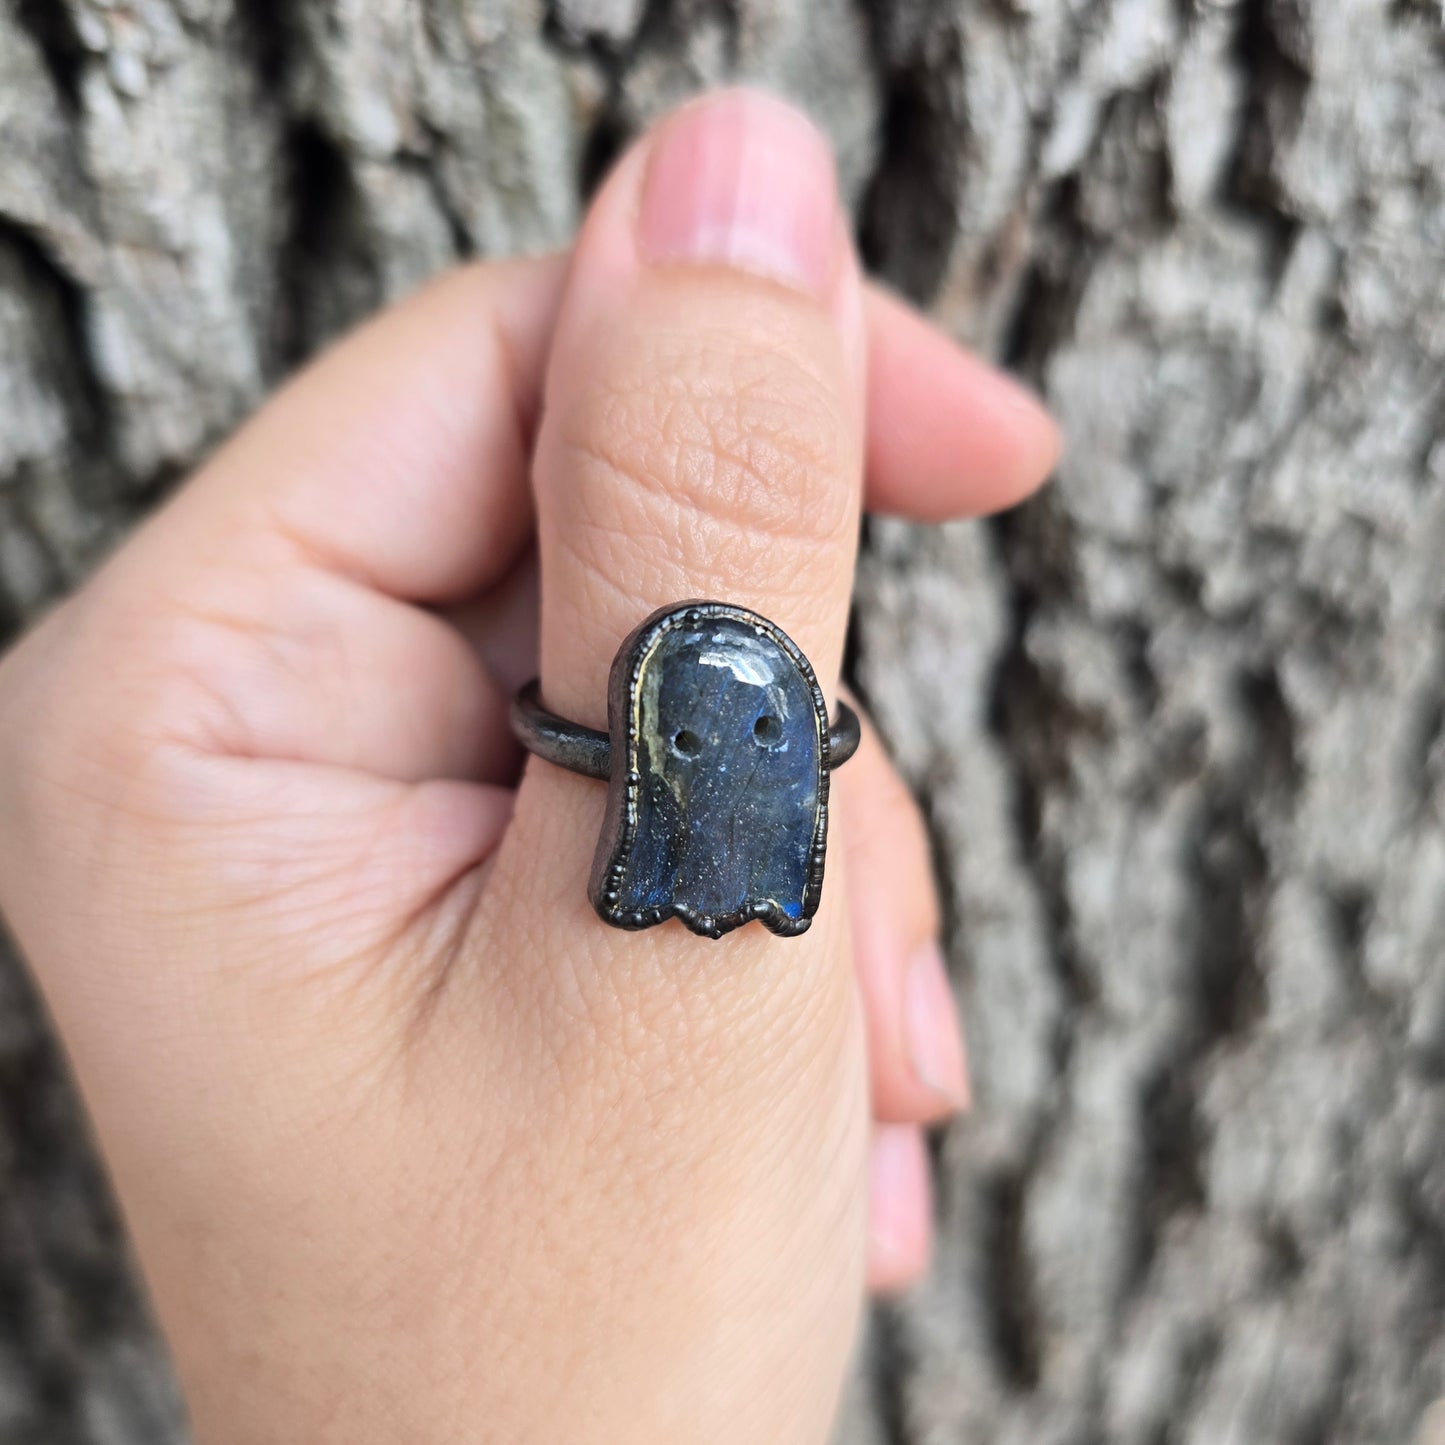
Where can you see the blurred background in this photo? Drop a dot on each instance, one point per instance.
(1178, 726)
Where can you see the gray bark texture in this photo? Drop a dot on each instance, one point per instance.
(1178, 725)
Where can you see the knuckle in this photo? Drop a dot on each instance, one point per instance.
(716, 444)
(112, 685)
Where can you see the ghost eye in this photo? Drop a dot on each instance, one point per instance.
(686, 743)
(768, 731)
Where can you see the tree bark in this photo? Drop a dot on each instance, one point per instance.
(1178, 725)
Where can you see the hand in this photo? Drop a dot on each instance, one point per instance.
(412, 1146)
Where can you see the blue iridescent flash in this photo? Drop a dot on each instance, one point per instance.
(717, 813)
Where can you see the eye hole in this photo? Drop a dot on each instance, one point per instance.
(687, 743)
(768, 731)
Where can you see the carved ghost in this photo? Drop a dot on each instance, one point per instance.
(717, 806)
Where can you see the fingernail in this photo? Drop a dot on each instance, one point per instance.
(899, 1205)
(742, 179)
(1032, 421)
(930, 1028)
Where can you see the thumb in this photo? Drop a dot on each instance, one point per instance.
(702, 438)
(703, 428)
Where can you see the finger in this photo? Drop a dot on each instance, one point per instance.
(274, 592)
(948, 435)
(702, 435)
(400, 459)
(289, 663)
(701, 438)
(900, 1208)
(702, 429)
(915, 1053)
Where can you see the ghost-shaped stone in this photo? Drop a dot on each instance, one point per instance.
(718, 800)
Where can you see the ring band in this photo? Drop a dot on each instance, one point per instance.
(718, 812)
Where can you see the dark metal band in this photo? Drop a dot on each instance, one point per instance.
(589, 751)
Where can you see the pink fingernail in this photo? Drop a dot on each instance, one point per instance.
(742, 179)
(1031, 420)
(930, 1028)
(899, 1194)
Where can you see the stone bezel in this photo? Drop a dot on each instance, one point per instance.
(620, 824)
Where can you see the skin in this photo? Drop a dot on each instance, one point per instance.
(411, 1145)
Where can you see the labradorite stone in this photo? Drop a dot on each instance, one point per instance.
(717, 811)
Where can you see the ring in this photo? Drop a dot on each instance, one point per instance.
(718, 812)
